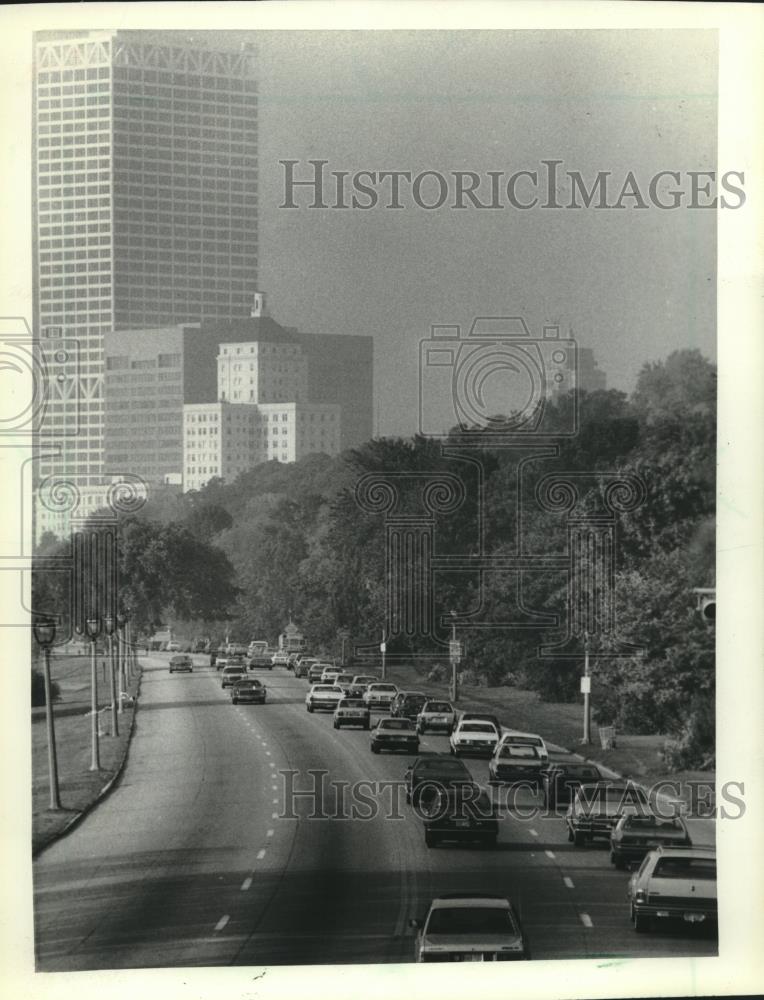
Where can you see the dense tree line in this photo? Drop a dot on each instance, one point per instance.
(236, 558)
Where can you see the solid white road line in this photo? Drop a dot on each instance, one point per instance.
(261, 854)
(586, 920)
(568, 882)
(222, 922)
(246, 884)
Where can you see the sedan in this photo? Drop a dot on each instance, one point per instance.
(469, 927)
(634, 836)
(530, 739)
(181, 662)
(463, 812)
(380, 695)
(280, 659)
(478, 738)
(596, 809)
(516, 763)
(352, 712)
(435, 716)
(561, 780)
(409, 705)
(232, 675)
(674, 883)
(434, 771)
(323, 697)
(394, 734)
(248, 691)
(315, 671)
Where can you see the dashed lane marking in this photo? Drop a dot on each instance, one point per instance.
(274, 815)
(568, 882)
(261, 854)
(270, 832)
(222, 922)
(246, 884)
(586, 920)
(549, 854)
(533, 833)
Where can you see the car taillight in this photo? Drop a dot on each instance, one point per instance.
(640, 896)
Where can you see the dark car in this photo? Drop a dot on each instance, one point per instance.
(394, 734)
(459, 812)
(515, 763)
(430, 772)
(476, 717)
(596, 809)
(248, 691)
(635, 835)
(181, 661)
(408, 705)
(561, 780)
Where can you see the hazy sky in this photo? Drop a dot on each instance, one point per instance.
(632, 284)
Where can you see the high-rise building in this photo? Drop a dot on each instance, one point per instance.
(224, 439)
(145, 205)
(591, 378)
(262, 372)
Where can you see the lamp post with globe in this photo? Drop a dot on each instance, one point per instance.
(93, 627)
(45, 633)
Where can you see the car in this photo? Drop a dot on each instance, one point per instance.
(231, 661)
(316, 670)
(302, 665)
(633, 836)
(596, 809)
(199, 646)
(259, 661)
(407, 705)
(248, 690)
(352, 712)
(237, 649)
(394, 734)
(674, 884)
(531, 739)
(561, 779)
(345, 681)
(182, 661)
(380, 694)
(323, 697)
(476, 717)
(459, 812)
(469, 928)
(363, 680)
(432, 771)
(474, 737)
(173, 646)
(330, 674)
(280, 660)
(435, 716)
(514, 763)
(232, 674)
(292, 659)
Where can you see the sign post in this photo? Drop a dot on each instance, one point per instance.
(455, 651)
(383, 650)
(586, 688)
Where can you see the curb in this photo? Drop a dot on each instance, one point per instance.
(79, 816)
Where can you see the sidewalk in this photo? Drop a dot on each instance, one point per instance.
(79, 787)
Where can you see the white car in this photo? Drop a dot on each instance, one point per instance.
(330, 674)
(526, 739)
(435, 715)
(324, 697)
(463, 928)
(232, 675)
(380, 695)
(280, 659)
(479, 738)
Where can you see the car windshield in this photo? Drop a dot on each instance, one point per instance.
(471, 920)
(247, 685)
(513, 750)
(396, 724)
(437, 706)
(531, 741)
(324, 687)
(478, 727)
(686, 868)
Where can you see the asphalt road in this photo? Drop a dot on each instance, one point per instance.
(200, 856)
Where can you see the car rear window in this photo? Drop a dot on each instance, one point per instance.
(519, 751)
(686, 868)
(478, 727)
(652, 823)
(396, 724)
(471, 920)
(437, 706)
(444, 765)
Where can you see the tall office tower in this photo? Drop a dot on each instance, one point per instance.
(145, 207)
(590, 375)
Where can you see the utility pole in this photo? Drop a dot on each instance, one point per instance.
(109, 624)
(383, 651)
(93, 628)
(455, 659)
(586, 687)
(45, 633)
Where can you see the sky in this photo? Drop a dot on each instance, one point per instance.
(631, 284)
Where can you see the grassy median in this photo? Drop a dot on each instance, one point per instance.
(79, 786)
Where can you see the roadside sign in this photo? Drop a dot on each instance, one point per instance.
(455, 649)
(586, 685)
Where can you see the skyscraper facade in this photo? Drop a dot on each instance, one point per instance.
(145, 206)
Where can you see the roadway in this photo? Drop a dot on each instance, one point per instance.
(199, 857)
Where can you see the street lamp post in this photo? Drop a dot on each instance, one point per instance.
(45, 632)
(121, 660)
(93, 627)
(454, 660)
(383, 651)
(586, 686)
(108, 626)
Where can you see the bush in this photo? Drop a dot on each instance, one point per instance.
(694, 745)
(438, 674)
(38, 689)
(468, 678)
